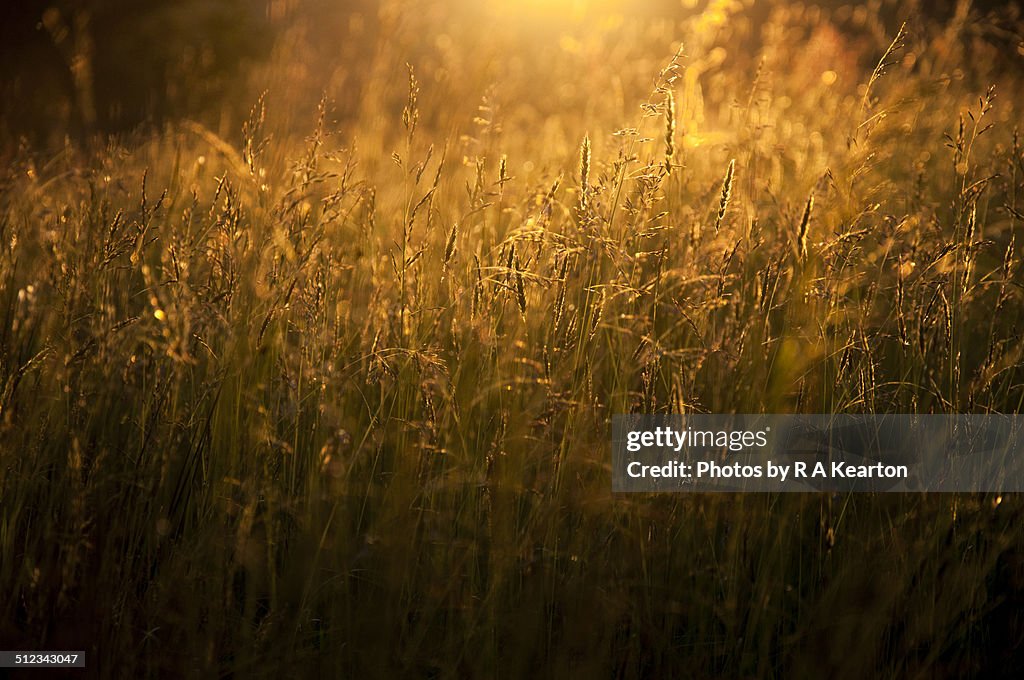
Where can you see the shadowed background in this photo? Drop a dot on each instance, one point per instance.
(112, 65)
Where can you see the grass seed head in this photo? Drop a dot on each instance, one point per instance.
(805, 223)
(670, 130)
(584, 172)
(723, 203)
(449, 249)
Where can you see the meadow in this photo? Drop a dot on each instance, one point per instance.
(327, 392)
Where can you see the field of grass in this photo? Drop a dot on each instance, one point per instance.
(331, 395)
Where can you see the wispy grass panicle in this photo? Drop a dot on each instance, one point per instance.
(254, 138)
(890, 57)
(411, 111)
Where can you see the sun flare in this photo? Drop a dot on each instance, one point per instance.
(558, 10)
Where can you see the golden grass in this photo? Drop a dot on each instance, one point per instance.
(340, 405)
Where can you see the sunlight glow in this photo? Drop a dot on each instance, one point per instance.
(556, 10)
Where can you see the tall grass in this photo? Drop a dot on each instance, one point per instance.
(341, 407)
